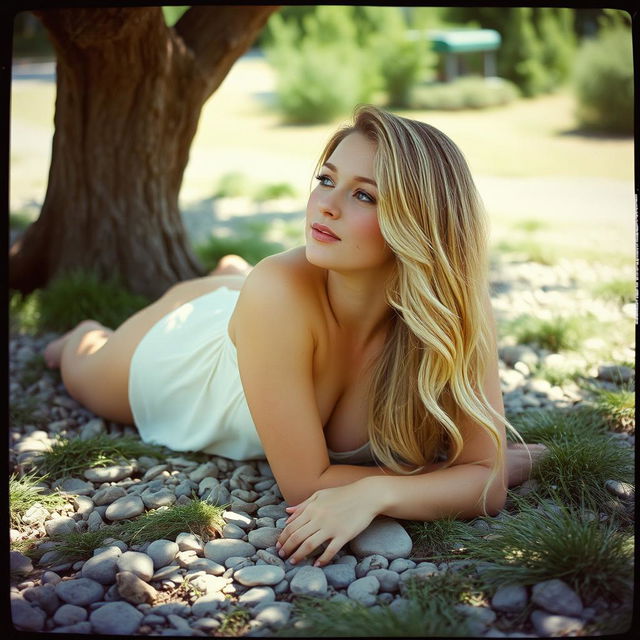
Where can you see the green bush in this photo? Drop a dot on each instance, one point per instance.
(273, 191)
(19, 220)
(232, 185)
(251, 248)
(71, 298)
(604, 82)
(324, 74)
(465, 93)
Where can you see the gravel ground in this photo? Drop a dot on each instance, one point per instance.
(136, 590)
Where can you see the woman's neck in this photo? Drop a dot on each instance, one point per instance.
(358, 303)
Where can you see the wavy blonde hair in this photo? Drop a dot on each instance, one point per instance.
(431, 369)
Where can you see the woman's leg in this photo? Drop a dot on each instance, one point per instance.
(94, 360)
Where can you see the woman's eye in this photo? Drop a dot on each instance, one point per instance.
(325, 181)
(363, 196)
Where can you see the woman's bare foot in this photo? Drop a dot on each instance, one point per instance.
(232, 265)
(518, 463)
(53, 351)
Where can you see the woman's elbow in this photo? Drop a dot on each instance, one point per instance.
(295, 494)
(496, 499)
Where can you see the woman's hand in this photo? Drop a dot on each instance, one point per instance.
(335, 515)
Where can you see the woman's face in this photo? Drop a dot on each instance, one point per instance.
(342, 229)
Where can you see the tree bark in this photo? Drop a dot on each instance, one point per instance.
(129, 95)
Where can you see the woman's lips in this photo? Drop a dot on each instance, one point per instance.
(323, 234)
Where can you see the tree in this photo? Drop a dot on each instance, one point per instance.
(129, 95)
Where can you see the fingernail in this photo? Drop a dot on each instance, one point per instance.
(281, 553)
(278, 545)
(292, 561)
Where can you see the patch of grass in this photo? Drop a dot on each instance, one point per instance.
(71, 298)
(19, 220)
(25, 411)
(617, 408)
(235, 623)
(67, 457)
(527, 250)
(530, 225)
(547, 425)
(620, 290)
(23, 494)
(232, 185)
(440, 539)
(251, 247)
(595, 559)
(273, 191)
(197, 516)
(555, 334)
(431, 612)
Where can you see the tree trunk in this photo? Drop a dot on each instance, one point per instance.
(129, 95)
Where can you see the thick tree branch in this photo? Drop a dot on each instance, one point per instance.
(235, 29)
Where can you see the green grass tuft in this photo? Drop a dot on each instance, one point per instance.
(440, 539)
(274, 190)
(71, 298)
(232, 185)
(528, 250)
(249, 246)
(547, 425)
(235, 623)
(620, 290)
(594, 558)
(617, 408)
(197, 516)
(67, 457)
(23, 494)
(557, 334)
(530, 225)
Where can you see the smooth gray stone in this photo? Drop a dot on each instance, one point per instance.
(265, 574)
(79, 627)
(548, 624)
(557, 596)
(243, 520)
(269, 558)
(80, 591)
(620, 489)
(274, 614)
(60, 526)
(25, 616)
(109, 474)
(19, 563)
(154, 471)
(384, 536)
(138, 563)
(77, 486)
(256, 596)
(35, 514)
(92, 429)
(204, 564)
(401, 564)
(615, 373)
(482, 614)
(162, 552)
(69, 614)
(133, 589)
(107, 495)
(172, 572)
(275, 511)
(187, 541)
(339, 576)
(171, 608)
(232, 531)
(264, 537)
(184, 488)
(364, 590)
(207, 469)
(102, 567)
(84, 505)
(124, 508)
(309, 581)
(94, 521)
(208, 605)
(219, 495)
(208, 583)
(374, 561)
(389, 580)
(116, 618)
(44, 596)
(156, 498)
(510, 599)
(221, 549)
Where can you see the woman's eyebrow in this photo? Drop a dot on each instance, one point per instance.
(358, 178)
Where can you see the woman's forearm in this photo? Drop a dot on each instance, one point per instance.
(455, 491)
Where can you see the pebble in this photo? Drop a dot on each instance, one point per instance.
(385, 537)
(44, 596)
(510, 599)
(220, 550)
(69, 614)
(115, 618)
(109, 474)
(374, 561)
(548, 624)
(339, 576)
(622, 490)
(102, 567)
(80, 591)
(27, 617)
(389, 580)
(154, 499)
(133, 589)
(556, 596)
(275, 614)
(60, 526)
(208, 604)
(364, 590)
(264, 537)
(20, 564)
(190, 542)
(259, 575)
(257, 596)
(309, 581)
(138, 563)
(124, 508)
(162, 552)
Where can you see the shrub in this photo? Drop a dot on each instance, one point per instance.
(465, 93)
(19, 220)
(232, 185)
(603, 80)
(555, 334)
(248, 246)
(324, 74)
(73, 297)
(621, 290)
(273, 191)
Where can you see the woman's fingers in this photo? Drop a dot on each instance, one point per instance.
(309, 545)
(327, 555)
(292, 537)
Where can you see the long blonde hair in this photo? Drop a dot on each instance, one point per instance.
(431, 369)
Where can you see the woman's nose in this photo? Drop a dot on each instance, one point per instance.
(330, 205)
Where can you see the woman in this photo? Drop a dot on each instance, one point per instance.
(374, 342)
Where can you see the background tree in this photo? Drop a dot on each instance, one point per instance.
(130, 91)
